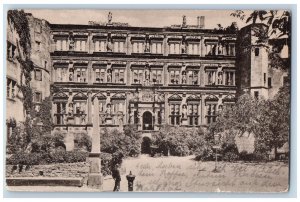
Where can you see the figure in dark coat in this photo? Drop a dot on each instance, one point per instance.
(116, 176)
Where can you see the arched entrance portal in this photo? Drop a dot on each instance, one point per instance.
(147, 121)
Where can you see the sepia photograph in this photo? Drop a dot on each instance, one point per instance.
(147, 100)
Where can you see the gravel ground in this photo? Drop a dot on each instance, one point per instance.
(182, 174)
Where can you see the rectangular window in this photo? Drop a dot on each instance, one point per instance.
(80, 45)
(10, 51)
(174, 48)
(193, 114)
(211, 113)
(10, 88)
(193, 49)
(211, 77)
(38, 75)
(175, 114)
(119, 75)
(256, 51)
(270, 82)
(37, 97)
(193, 77)
(119, 46)
(80, 112)
(229, 78)
(156, 48)
(138, 47)
(60, 112)
(156, 76)
(81, 75)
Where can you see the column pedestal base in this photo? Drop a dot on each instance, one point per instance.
(95, 178)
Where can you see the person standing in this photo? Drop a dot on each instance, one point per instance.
(116, 176)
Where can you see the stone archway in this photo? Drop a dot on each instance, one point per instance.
(147, 121)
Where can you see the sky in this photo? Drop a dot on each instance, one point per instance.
(139, 18)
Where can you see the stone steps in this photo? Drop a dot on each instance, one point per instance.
(44, 181)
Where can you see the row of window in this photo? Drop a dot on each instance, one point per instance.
(142, 47)
(11, 90)
(189, 113)
(145, 76)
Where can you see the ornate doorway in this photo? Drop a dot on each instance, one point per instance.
(147, 121)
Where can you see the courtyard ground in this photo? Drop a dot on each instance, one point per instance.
(183, 174)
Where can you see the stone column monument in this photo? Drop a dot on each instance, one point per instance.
(95, 179)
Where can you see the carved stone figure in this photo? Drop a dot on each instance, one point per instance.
(109, 18)
(184, 21)
(184, 112)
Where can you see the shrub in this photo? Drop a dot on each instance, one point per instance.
(127, 142)
(230, 156)
(229, 151)
(179, 141)
(106, 163)
(84, 142)
(204, 153)
(47, 158)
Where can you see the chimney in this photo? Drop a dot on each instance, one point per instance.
(201, 24)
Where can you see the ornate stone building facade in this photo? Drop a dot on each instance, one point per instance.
(140, 75)
(112, 74)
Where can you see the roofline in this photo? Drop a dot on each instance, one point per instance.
(129, 28)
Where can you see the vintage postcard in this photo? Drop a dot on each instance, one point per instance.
(148, 100)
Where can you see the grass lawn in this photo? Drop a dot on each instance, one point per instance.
(184, 174)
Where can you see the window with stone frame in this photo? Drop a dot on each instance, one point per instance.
(138, 76)
(138, 47)
(193, 115)
(174, 48)
(38, 76)
(11, 87)
(229, 78)
(119, 75)
(174, 76)
(193, 48)
(62, 44)
(175, 113)
(80, 45)
(193, 76)
(80, 74)
(211, 48)
(211, 112)
(100, 75)
(11, 51)
(156, 47)
(80, 112)
(100, 46)
(118, 46)
(211, 77)
(60, 112)
(156, 76)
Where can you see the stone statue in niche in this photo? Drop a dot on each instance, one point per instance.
(184, 77)
(71, 43)
(183, 46)
(109, 17)
(220, 49)
(70, 110)
(109, 79)
(184, 21)
(131, 117)
(147, 45)
(109, 46)
(108, 109)
(184, 112)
